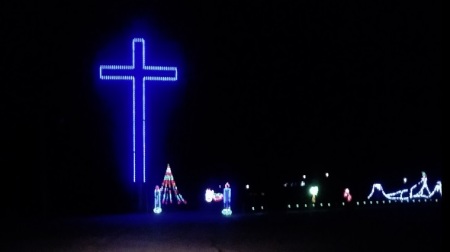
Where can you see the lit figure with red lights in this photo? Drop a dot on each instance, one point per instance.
(347, 195)
(226, 200)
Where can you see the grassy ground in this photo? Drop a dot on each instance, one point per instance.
(375, 228)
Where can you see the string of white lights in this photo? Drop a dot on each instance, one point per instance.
(403, 194)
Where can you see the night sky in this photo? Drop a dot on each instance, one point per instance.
(267, 92)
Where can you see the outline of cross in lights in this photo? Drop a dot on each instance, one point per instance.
(129, 72)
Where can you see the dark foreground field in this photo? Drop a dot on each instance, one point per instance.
(384, 228)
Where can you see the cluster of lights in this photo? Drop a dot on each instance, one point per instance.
(210, 196)
(302, 182)
(314, 190)
(358, 203)
(347, 195)
(312, 205)
(227, 211)
(261, 207)
(129, 72)
(419, 192)
(168, 187)
(424, 191)
(398, 195)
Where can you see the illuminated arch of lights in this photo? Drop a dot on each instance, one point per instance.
(412, 193)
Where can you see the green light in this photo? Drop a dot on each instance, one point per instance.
(313, 190)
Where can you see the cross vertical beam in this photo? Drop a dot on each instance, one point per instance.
(138, 73)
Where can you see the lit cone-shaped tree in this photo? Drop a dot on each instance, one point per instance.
(169, 187)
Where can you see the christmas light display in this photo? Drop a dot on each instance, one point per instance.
(138, 73)
(157, 205)
(347, 195)
(420, 193)
(168, 187)
(313, 190)
(210, 196)
(423, 192)
(226, 200)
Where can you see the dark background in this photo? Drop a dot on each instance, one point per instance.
(268, 92)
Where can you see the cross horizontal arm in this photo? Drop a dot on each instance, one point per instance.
(118, 72)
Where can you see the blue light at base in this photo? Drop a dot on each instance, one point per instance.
(138, 73)
(226, 212)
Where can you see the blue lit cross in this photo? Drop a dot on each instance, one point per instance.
(138, 71)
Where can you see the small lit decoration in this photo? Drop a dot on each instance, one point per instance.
(347, 195)
(210, 196)
(168, 187)
(157, 205)
(226, 200)
(313, 190)
(423, 192)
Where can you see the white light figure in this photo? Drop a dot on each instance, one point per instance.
(226, 200)
(210, 196)
(157, 208)
(403, 194)
(423, 182)
(398, 195)
(313, 190)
